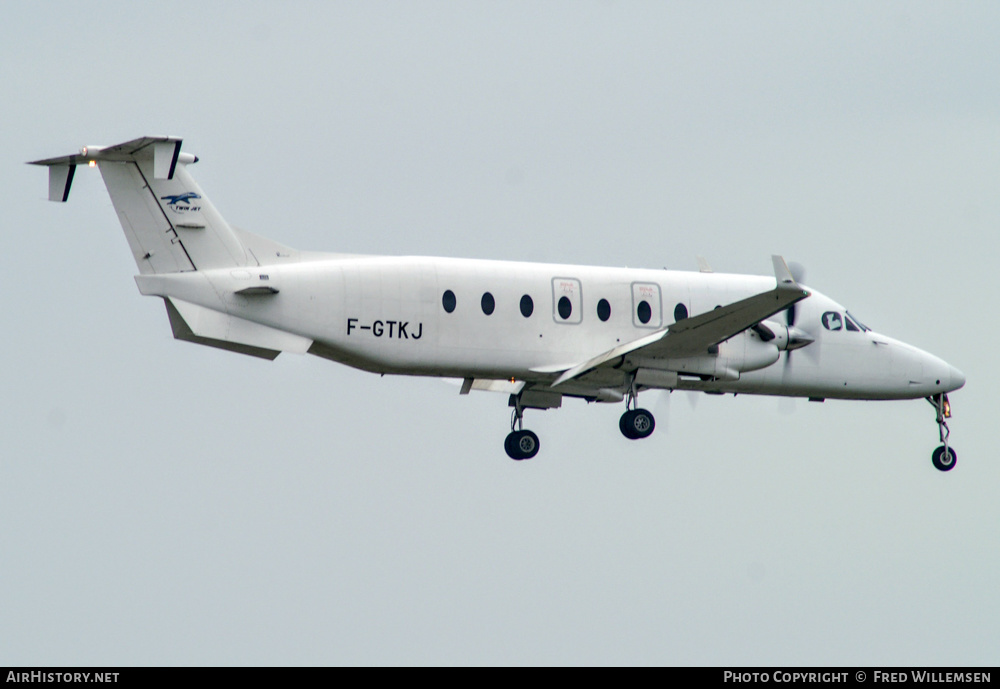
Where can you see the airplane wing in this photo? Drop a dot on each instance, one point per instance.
(693, 336)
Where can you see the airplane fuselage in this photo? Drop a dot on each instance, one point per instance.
(503, 321)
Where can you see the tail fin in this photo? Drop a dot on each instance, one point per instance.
(170, 224)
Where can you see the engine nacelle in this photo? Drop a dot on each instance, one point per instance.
(784, 337)
(749, 351)
(740, 353)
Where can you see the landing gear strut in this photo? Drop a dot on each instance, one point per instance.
(520, 444)
(944, 457)
(635, 423)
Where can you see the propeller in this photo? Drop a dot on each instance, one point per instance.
(797, 338)
(798, 272)
(661, 407)
(799, 275)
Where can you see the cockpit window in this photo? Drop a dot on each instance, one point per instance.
(832, 321)
(851, 326)
(851, 317)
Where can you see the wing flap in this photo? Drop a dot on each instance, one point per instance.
(611, 354)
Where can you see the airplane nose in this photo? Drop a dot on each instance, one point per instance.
(937, 375)
(957, 378)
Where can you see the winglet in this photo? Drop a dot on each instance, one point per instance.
(782, 274)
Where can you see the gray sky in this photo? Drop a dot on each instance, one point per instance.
(164, 503)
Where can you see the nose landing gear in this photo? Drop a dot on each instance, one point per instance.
(944, 457)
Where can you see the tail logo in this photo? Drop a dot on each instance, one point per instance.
(181, 203)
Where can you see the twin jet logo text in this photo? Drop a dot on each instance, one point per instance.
(181, 203)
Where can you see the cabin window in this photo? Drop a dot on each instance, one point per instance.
(448, 301)
(644, 311)
(527, 306)
(680, 312)
(832, 320)
(565, 307)
(603, 309)
(488, 303)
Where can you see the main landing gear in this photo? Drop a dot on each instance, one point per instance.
(520, 444)
(944, 457)
(635, 424)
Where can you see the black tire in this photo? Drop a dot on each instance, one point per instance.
(625, 425)
(508, 446)
(944, 462)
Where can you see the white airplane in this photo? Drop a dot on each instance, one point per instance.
(537, 332)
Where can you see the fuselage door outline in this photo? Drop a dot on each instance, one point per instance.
(567, 301)
(647, 311)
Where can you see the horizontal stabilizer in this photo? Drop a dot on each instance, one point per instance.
(166, 153)
(164, 150)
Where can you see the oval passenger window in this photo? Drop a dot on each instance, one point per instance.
(527, 306)
(565, 307)
(644, 311)
(603, 309)
(448, 300)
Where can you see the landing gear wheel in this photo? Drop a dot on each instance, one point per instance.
(521, 445)
(636, 424)
(944, 458)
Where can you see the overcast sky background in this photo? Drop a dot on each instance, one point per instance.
(165, 503)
